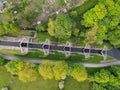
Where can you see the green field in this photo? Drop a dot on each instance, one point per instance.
(71, 84)
(14, 84)
(61, 56)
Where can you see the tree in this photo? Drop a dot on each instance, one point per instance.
(26, 17)
(51, 27)
(60, 69)
(29, 73)
(41, 27)
(8, 29)
(91, 35)
(100, 10)
(45, 70)
(114, 37)
(14, 66)
(74, 14)
(96, 86)
(79, 73)
(76, 32)
(116, 70)
(101, 33)
(114, 81)
(114, 21)
(13, 28)
(63, 27)
(1, 61)
(89, 18)
(102, 77)
(2, 32)
(110, 4)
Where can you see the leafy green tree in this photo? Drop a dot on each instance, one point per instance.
(63, 27)
(116, 70)
(100, 10)
(96, 86)
(102, 77)
(89, 18)
(9, 29)
(60, 69)
(51, 27)
(41, 27)
(114, 81)
(14, 66)
(79, 72)
(1, 61)
(110, 4)
(114, 37)
(74, 14)
(29, 73)
(2, 32)
(25, 18)
(76, 32)
(101, 33)
(45, 70)
(114, 21)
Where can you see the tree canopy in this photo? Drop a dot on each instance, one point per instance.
(79, 72)
(29, 73)
(45, 70)
(14, 66)
(63, 27)
(60, 69)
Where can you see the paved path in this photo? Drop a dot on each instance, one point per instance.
(114, 53)
(89, 65)
(62, 48)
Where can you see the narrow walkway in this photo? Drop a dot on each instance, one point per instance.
(88, 65)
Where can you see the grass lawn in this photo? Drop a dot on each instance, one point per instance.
(42, 36)
(7, 80)
(22, 33)
(72, 40)
(34, 54)
(61, 56)
(10, 52)
(71, 84)
(14, 84)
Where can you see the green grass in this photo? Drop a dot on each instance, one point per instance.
(21, 33)
(81, 58)
(4, 78)
(7, 80)
(34, 54)
(81, 42)
(61, 56)
(10, 52)
(71, 84)
(14, 84)
(72, 40)
(42, 36)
